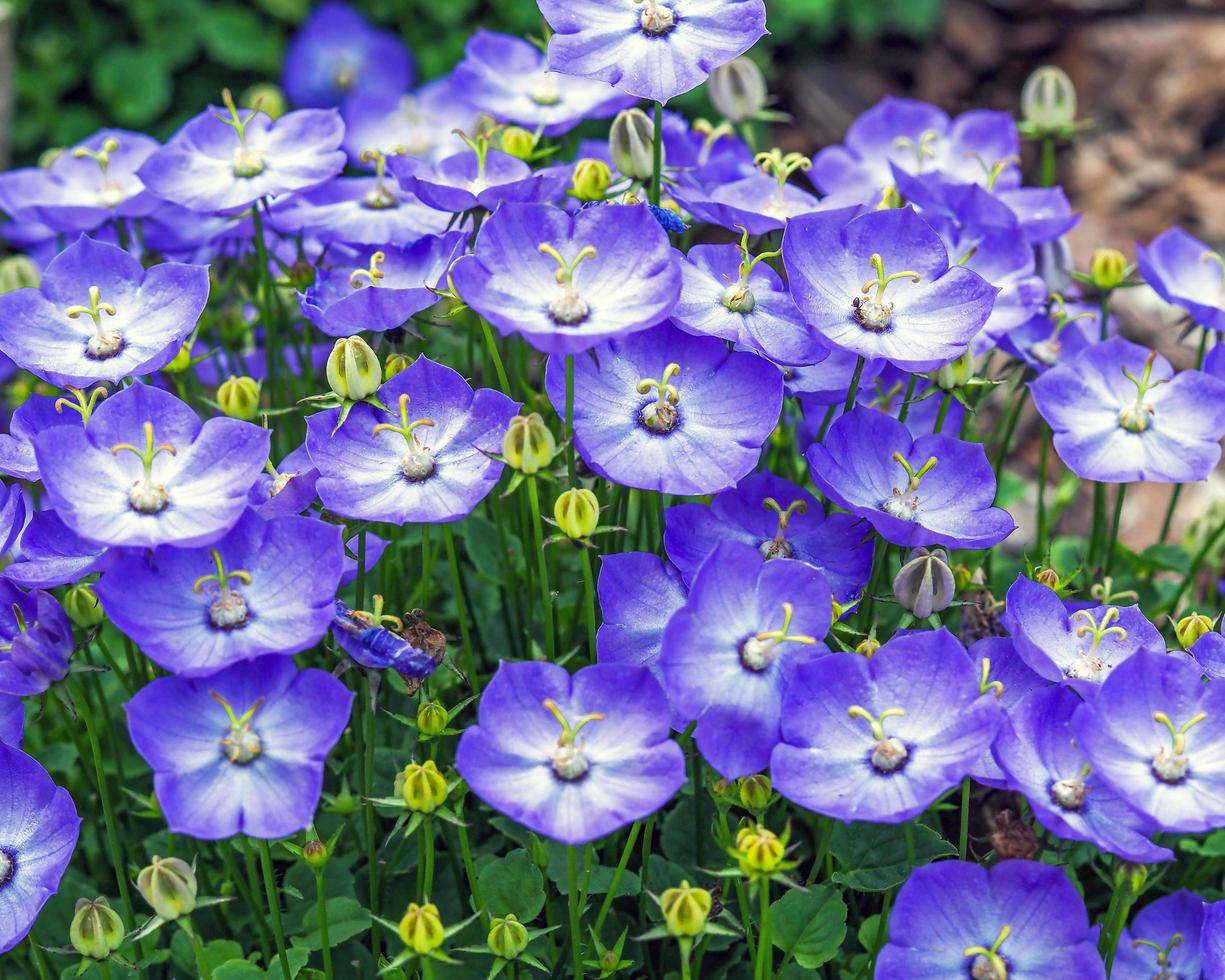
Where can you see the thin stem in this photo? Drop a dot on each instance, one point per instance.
(1193, 571)
(1019, 396)
(425, 859)
(765, 944)
(197, 948)
(496, 356)
(576, 938)
(1169, 514)
(274, 906)
(1044, 453)
(618, 873)
(1099, 524)
(853, 388)
(963, 840)
(1121, 901)
(571, 462)
(945, 402)
(465, 848)
(589, 600)
(657, 149)
(372, 863)
(1108, 558)
(1048, 163)
(542, 561)
(360, 587)
(248, 895)
(322, 904)
(904, 409)
(461, 607)
(1103, 315)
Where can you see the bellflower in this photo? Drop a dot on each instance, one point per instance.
(881, 739)
(1121, 415)
(35, 641)
(1043, 341)
(567, 282)
(1163, 941)
(1004, 674)
(99, 315)
(878, 284)
(266, 587)
(372, 645)
(419, 124)
(781, 520)
(572, 758)
(930, 490)
(145, 471)
(1043, 761)
(36, 413)
(52, 554)
(12, 720)
(885, 392)
(1152, 733)
(662, 410)
(39, 828)
(1186, 272)
(650, 49)
(826, 381)
(358, 211)
(735, 647)
(288, 489)
(760, 201)
(1014, 919)
(1212, 943)
(431, 467)
(638, 594)
(1209, 652)
(240, 751)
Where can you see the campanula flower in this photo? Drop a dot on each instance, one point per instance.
(760, 201)
(35, 641)
(1044, 341)
(36, 413)
(240, 751)
(413, 653)
(12, 720)
(359, 211)
(1186, 272)
(419, 123)
(572, 758)
(52, 554)
(1008, 678)
(1164, 941)
(638, 594)
(285, 489)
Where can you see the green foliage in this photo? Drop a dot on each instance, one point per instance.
(809, 926)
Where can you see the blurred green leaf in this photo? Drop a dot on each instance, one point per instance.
(513, 884)
(239, 38)
(133, 83)
(874, 857)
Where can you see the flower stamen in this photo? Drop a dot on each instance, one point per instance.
(888, 754)
(568, 761)
(372, 275)
(146, 497)
(418, 464)
(660, 415)
(988, 964)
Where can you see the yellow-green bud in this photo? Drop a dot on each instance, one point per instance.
(17, 272)
(169, 886)
(394, 363)
(738, 90)
(422, 786)
(631, 142)
(507, 937)
(353, 369)
(431, 718)
(315, 853)
(266, 98)
(685, 910)
(83, 606)
(755, 791)
(528, 445)
(577, 513)
(1048, 577)
(421, 928)
(957, 374)
(868, 647)
(1048, 100)
(344, 802)
(724, 791)
(591, 179)
(1191, 627)
(963, 577)
(239, 397)
(518, 142)
(1107, 268)
(760, 851)
(96, 930)
(181, 361)
(1131, 876)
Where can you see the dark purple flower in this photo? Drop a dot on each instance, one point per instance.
(145, 471)
(1120, 415)
(12, 720)
(240, 751)
(1017, 919)
(52, 554)
(1186, 272)
(1043, 213)
(35, 641)
(568, 282)
(1043, 341)
(930, 490)
(357, 210)
(1004, 674)
(880, 739)
(1209, 652)
(650, 49)
(734, 649)
(879, 284)
(369, 643)
(99, 315)
(431, 467)
(572, 758)
(1212, 943)
(12, 516)
(39, 827)
(1163, 941)
(638, 594)
(288, 489)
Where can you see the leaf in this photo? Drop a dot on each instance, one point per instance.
(1211, 846)
(238, 38)
(134, 84)
(512, 884)
(809, 925)
(346, 919)
(598, 882)
(874, 857)
(238, 970)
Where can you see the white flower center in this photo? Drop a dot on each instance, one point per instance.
(569, 762)
(229, 610)
(147, 497)
(657, 19)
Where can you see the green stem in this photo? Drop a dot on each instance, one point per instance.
(360, 586)
(963, 840)
(657, 148)
(39, 958)
(104, 967)
(904, 409)
(263, 293)
(542, 562)
(495, 355)
(765, 944)
(1044, 453)
(425, 859)
(589, 598)
(1048, 163)
(1103, 315)
(1121, 901)
(1169, 514)
(197, 948)
(943, 413)
(686, 947)
(242, 883)
(461, 607)
(571, 462)
(853, 388)
(576, 938)
(465, 848)
(322, 905)
(1193, 571)
(1018, 395)
(372, 863)
(1108, 558)
(618, 873)
(274, 906)
(1099, 524)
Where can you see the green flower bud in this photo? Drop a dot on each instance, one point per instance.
(181, 361)
(591, 179)
(83, 606)
(758, 850)
(315, 853)
(518, 142)
(169, 886)
(631, 142)
(344, 803)
(431, 718)
(685, 910)
(422, 786)
(925, 584)
(724, 791)
(421, 928)
(239, 397)
(1129, 875)
(1107, 268)
(577, 513)
(17, 272)
(266, 98)
(868, 647)
(963, 577)
(1048, 577)
(738, 90)
(394, 363)
(353, 369)
(1191, 627)
(507, 937)
(957, 374)
(755, 791)
(96, 930)
(528, 445)
(1048, 100)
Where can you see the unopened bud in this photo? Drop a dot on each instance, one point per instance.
(1191, 627)
(1048, 577)
(239, 397)
(1048, 101)
(685, 910)
(724, 791)
(925, 584)
(422, 786)
(577, 513)
(344, 803)
(868, 647)
(265, 97)
(591, 179)
(738, 90)
(394, 363)
(958, 374)
(1107, 268)
(507, 937)
(518, 142)
(1128, 875)
(631, 143)
(315, 853)
(17, 272)
(758, 850)
(431, 718)
(421, 928)
(96, 930)
(83, 606)
(755, 791)
(528, 445)
(963, 577)
(169, 886)
(353, 369)
(181, 361)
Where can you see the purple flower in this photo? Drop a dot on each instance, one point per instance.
(1003, 673)
(881, 739)
(572, 758)
(1153, 733)
(240, 751)
(226, 158)
(1212, 944)
(662, 410)
(431, 467)
(289, 489)
(1163, 942)
(419, 124)
(879, 284)
(759, 201)
(1186, 272)
(1016, 919)
(337, 54)
(12, 516)
(568, 282)
(650, 49)
(478, 177)
(780, 520)
(884, 393)
(1120, 415)
(144, 471)
(930, 490)
(267, 587)
(1209, 652)
(99, 315)
(52, 554)
(1043, 342)
(357, 210)
(12, 720)
(39, 827)
(372, 645)
(638, 594)
(733, 650)
(395, 284)
(36, 413)
(35, 641)
(1043, 761)
(826, 382)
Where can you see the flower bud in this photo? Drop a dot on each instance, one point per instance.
(422, 786)
(528, 445)
(507, 937)
(1048, 100)
(431, 718)
(868, 647)
(1048, 577)
(631, 143)
(925, 584)
(577, 513)
(344, 803)
(518, 142)
(755, 791)
(421, 928)
(738, 90)
(169, 885)
(759, 851)
(17, 272)
(591, 179)
(315, 853)
(394, 363)
(1191, 627)
(265, 97)
(83, 606)
(96, 930)
(958, 374)
(1130, 875)
(181, 361)
(685, 910)
(239, 397)
(1107, 268)
(353, 369)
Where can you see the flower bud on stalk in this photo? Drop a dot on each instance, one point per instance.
(1107, 268)
(181, 361)
(507, 937)
(315, 853)
(685, 910)
(265, 97)
(755, 791)
(759, 851)
(17, 272)
(528, 445)
(431, 718)
(517, 141)
(1048, 101)
(957, 374)
(169, 886)
(738, 90)
(96, 930)
(393, 364)
(83, 606)
(591, 180)
(239, 397)
(353, 370)
(925, 584)
(868, 647)
(422, 786)
(1191, 627)
(421, 928)
(577, 513)
(631, 143)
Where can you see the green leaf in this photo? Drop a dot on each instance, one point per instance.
(598, 882)
(513, 884)
(867, 933)
(809, 925)
(346, 919)
(1211, 846)
(874, 857)
(238, 970)
(239, 38)
(134, 84)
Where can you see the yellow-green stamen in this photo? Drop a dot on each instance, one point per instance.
(888, 754)
(990, 958)
(569, 762)
(778, 546)
(371, 275)
(419, 462)
(240, 744)
(1171, 766)
(923, 149)
(146, 497)
(660, 415)
(81, 403)
(1138, 416)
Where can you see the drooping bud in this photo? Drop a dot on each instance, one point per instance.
(1130, 875)
(169, 886)
(631, 143)
(239, 397)
(685, 910)
(96, 930)
(528, 445)
(1107, 268)
(344, 803)
(758, 850)
(1048, 101)
(507, 937)
(394, 363)
(591, 179)
(315, 853)
(431, 718)
(517, 141)
(755, 791)
(925, 584)
(577, 513)
(738, 90)
(266, 98)
(958, 374)
(421, 928)
(422, 786)
(1191, 627)
(353, 369)
(17, 272)
(83, 606)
